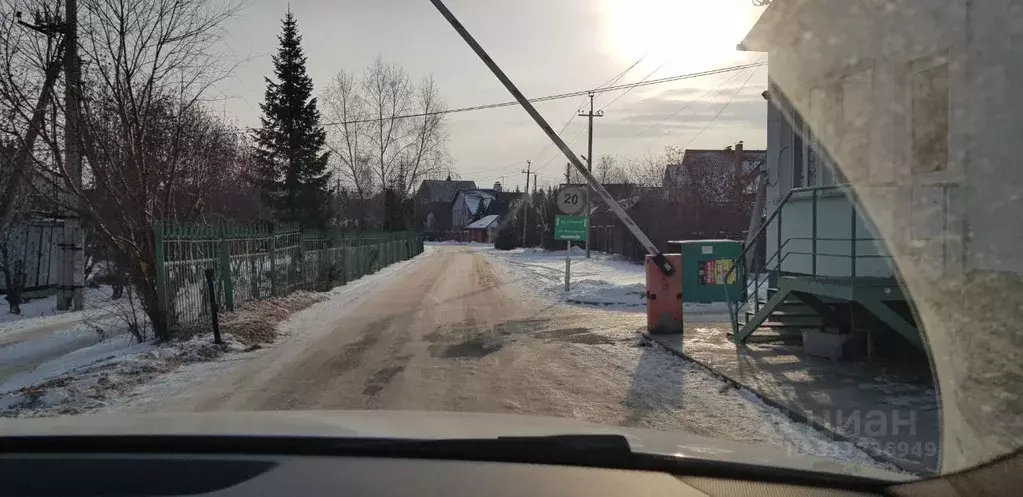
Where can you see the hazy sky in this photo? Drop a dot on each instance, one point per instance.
(545, 47)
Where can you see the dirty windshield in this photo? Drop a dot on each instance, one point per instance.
(775, 232)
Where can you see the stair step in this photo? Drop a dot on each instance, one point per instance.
(786, 336)
(807, 313)
(795, 302)
(787, 324)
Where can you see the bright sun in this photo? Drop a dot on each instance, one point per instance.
(687, 35)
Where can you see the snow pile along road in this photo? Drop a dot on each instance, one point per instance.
(70, 377)
(603, 280)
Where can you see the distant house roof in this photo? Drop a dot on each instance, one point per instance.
(712, 171)
(474, 198)
(626, 194)
(483, 223)
(440, 190)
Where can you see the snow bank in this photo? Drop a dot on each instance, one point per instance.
(454, 242)
(606, 293)
(61, 375)
(92, 377)
(43, 311)
(603, 280)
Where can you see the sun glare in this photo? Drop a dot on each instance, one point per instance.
(686, 35)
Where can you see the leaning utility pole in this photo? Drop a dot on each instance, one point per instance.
(589, 166)
(72, 263)
(525, 207)
(656, 255)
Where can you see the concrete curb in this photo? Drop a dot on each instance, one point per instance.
(879, 456)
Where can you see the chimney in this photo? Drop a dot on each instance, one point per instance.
(497, 186)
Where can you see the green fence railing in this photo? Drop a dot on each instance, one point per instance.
(253, 263)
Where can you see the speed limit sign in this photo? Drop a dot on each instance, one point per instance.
(571, 200)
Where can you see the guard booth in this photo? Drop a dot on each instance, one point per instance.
(706, 271)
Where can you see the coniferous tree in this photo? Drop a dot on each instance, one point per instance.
(295, 180)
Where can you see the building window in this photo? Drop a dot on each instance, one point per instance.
(929, 111)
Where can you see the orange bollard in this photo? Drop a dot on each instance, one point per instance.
(664, 296)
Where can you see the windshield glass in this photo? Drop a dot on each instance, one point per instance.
(776, 232)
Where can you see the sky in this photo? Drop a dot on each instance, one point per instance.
(546, 47)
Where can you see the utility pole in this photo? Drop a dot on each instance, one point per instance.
(525, 207)
(73, 263)
(589, 166)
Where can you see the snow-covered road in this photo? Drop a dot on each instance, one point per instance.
(471, 329)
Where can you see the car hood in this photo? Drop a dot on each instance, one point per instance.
(425, 425)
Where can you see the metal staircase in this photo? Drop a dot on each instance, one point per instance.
(779, 304)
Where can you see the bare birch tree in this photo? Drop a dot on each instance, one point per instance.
(345, 106)
(425, 153)
(388, 96)
(381, 149)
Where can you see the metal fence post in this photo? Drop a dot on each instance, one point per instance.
(852, 237)
(211, 290)
(301, 259)
(225, 274)
(272, 249)
(780, 212)
(813, 238)
(161, 273)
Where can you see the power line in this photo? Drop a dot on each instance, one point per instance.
(575, 113)
(558, 96)
(580, 131)
(687, 104)
(723, 107)
(626, 92)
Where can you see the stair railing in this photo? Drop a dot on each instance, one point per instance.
(739, 263)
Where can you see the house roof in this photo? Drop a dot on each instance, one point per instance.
(712, 171)
(473, 198)
(434, 190)
(484, 222)
(626, 194)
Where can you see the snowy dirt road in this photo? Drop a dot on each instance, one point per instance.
(453, 331)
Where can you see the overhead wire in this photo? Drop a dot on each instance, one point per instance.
(579, 132)
(737, 73)
(558, 96)
(626, 92)
(686, 106)
(575, 113)
(723, 107)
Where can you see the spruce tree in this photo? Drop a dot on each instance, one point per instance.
(293, 169)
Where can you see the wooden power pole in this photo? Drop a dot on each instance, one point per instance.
(72, 272)
(525, 206)
(589, 166)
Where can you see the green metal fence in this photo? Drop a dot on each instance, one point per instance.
(253, 263)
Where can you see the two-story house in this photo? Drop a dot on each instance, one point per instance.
(433, 204)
